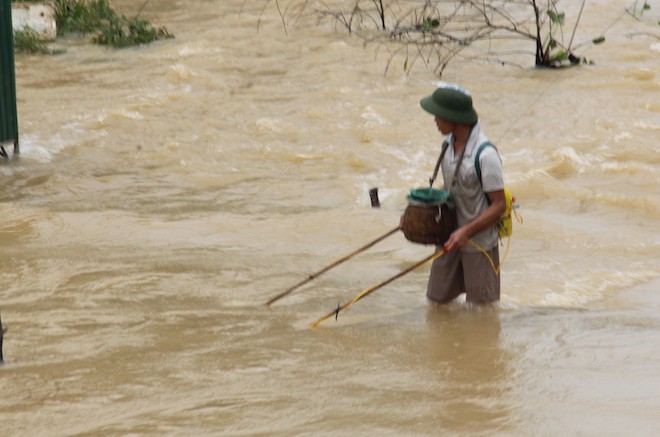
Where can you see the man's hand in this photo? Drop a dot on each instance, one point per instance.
(491, 215)
(458, 239)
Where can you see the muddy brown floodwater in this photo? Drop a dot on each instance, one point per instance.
(165, 193)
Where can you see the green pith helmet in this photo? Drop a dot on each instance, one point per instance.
(451, 103)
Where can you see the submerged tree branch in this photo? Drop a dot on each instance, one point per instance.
(442, 29)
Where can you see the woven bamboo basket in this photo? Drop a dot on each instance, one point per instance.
(430, 216)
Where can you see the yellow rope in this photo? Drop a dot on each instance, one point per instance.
(518, 216)
(492, 263)
(506, 251)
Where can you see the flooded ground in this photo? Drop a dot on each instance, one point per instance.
(165, 193)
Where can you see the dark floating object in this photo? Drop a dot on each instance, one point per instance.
(373, 195)
(2, 333)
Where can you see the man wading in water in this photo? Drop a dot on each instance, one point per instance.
(479, 204)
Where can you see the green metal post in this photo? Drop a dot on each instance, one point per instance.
(8, 111)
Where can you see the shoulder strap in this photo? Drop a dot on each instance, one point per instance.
(454, 181)
(477, 164)
(445, 145)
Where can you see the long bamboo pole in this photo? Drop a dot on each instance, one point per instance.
(375, 287)
(332, 265)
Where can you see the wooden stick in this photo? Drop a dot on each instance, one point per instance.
(334, 264)
(373, 288)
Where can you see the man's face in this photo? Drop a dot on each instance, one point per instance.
(444, 126)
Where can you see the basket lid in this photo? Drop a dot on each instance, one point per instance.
(429, 196)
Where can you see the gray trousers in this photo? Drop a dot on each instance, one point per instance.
(468, 272)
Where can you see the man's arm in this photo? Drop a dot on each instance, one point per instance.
(488, 217)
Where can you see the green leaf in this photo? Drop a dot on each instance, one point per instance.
(556, 18)
(561, 55)
(562, 18)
